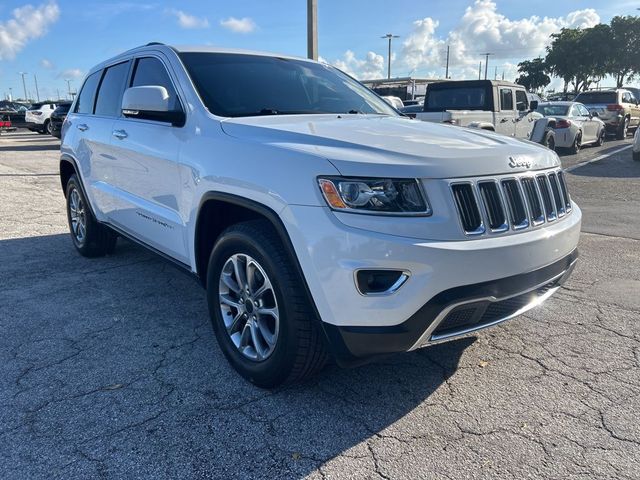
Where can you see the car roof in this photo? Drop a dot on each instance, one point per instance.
(563, 103)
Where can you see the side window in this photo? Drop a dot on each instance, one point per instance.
(506, 99)
(626, 97)
(575, 111)
(522, 102)
(583, 110)
(110, 92)
(88, 93)
(151, 71)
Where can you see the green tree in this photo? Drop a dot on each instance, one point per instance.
(624, 55)
(533, 75)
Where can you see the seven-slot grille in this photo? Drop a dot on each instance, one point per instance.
(515, 202)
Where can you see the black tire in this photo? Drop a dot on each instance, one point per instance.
(299, 349)
(621, 133)
(636, 156)
(549, 141)
(577, 143)
(601, 138)
(97, 240)
(47, 127)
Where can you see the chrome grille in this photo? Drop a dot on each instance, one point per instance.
(489, 205)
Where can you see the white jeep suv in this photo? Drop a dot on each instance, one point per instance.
(320, 221)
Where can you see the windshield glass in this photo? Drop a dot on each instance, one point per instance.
(238, 85)
(596, 97)
(458, 98)
(552, 110)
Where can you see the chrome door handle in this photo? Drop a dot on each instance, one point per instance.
(504, 120)
(83, 126)
(120, 134)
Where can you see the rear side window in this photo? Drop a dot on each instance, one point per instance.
(592, 98)
(458, 98)
(88, 93)
(109, 100)
(506, 99)
(151, 71)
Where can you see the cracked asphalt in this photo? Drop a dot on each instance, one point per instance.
(109, 367)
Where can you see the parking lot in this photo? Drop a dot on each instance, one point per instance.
(110, 369)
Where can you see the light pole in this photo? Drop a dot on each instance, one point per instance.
(312, 29)
(389, 36)
(68, 86)
(486, 64)
(24, 85)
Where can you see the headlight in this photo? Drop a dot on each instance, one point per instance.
(382, 196)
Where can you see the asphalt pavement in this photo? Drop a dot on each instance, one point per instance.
(109, 367)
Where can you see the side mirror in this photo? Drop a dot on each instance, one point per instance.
(594, 114)
(533, 105)
(150, 102)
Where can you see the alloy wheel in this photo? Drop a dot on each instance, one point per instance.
(249, 307)
(78, 216)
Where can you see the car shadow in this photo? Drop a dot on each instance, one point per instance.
(119, 350)
(619, 165)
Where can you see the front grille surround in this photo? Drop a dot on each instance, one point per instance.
(512, 203)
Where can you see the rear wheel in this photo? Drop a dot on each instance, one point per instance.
(261, 315)
(621, 134)
(90, 238)
(47, 127)
(577, 143)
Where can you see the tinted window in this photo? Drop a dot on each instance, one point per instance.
(552, 110)
(592, 98)
(232, 85)
(521, 99)
(63, 108)
(88, 93)
(151, 71)
(506, 99)
(110, 93)
(459, 98)
(36, 106)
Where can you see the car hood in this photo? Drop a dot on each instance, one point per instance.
(375, 145)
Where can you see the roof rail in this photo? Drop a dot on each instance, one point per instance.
(153, 43)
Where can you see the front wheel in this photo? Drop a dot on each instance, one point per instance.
(601, 138)
(260, 312)
(621, 134)
(577, 143)
(549, 141)
(89, 237)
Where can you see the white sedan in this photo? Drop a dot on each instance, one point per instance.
(574, 126)
(636, 145)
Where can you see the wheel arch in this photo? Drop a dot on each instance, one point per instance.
(68, 167)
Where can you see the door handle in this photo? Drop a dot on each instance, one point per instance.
(120, 134)
(504, 120)
(83, 126)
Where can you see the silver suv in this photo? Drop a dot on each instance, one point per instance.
(618, 109)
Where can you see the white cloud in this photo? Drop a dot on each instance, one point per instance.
(71, 73)
(370, 68)
(188, 21)
(239, 25)
(47, 64)
(481, 29)
(27, 23)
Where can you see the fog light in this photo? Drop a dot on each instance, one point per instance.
(380, 282)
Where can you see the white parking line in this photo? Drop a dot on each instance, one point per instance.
(597, 159)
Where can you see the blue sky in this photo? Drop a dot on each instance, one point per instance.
(59, 39)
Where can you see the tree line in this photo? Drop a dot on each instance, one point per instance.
(584, 56)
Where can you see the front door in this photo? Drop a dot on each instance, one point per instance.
(146, 165)
(505, 113)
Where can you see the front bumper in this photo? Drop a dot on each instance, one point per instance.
(490, 303)
(329, 252)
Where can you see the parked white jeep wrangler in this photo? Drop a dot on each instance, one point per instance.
(499, 106)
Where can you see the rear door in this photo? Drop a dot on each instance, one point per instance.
(88, 137)
(145, 164)
(505, 113)
(630, 102)
(590, 127)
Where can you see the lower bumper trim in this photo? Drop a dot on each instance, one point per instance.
(488, 303)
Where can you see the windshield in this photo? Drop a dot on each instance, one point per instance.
(457, 98)
(36, 106)
(238, 85)
(552, 110)
(596, 97)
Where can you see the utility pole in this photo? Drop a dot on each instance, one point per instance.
(312, 29)
(37, 92)
(58, 90)
(446, 72)
(68, 87)
(389, 36)
(486, 64)
(495, 75)
(11, 94)
(480, 71)
(24, 85)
